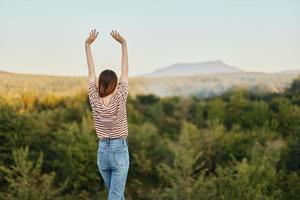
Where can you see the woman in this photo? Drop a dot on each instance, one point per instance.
(108, 104)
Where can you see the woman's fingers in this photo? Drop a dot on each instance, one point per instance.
(116, 35)
(113, 34)
(93, 32)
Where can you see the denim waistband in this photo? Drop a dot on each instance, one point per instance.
(115, 141)
(106, 139)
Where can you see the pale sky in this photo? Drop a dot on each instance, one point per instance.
(47, 37)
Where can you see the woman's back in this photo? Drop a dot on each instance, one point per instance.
(110, 120)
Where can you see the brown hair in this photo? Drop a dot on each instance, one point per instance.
(107, 82)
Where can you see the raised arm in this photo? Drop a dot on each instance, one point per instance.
(124, 62)
(90, 62)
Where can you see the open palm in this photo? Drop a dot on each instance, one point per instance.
(117, 36)
(92, 37)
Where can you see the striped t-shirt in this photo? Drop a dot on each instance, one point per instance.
(110, 120)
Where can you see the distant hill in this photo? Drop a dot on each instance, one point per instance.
(192, 69)
(15, 85)
(292, 71)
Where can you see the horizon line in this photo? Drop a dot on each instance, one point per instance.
(135, 76)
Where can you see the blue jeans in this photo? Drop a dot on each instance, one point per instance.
(113, 164)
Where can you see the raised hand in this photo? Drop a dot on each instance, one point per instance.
(124, 62)
(92, 37)
(118, 37)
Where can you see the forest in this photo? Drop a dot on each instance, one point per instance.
(238, 145)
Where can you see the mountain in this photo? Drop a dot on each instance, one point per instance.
(192, 69)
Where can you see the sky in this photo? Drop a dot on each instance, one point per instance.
(47, 37)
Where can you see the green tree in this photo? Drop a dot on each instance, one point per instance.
(25, 179)
(216, 111)
(180, 176)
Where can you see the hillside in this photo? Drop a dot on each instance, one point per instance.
(14, 85)
(191, 69)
